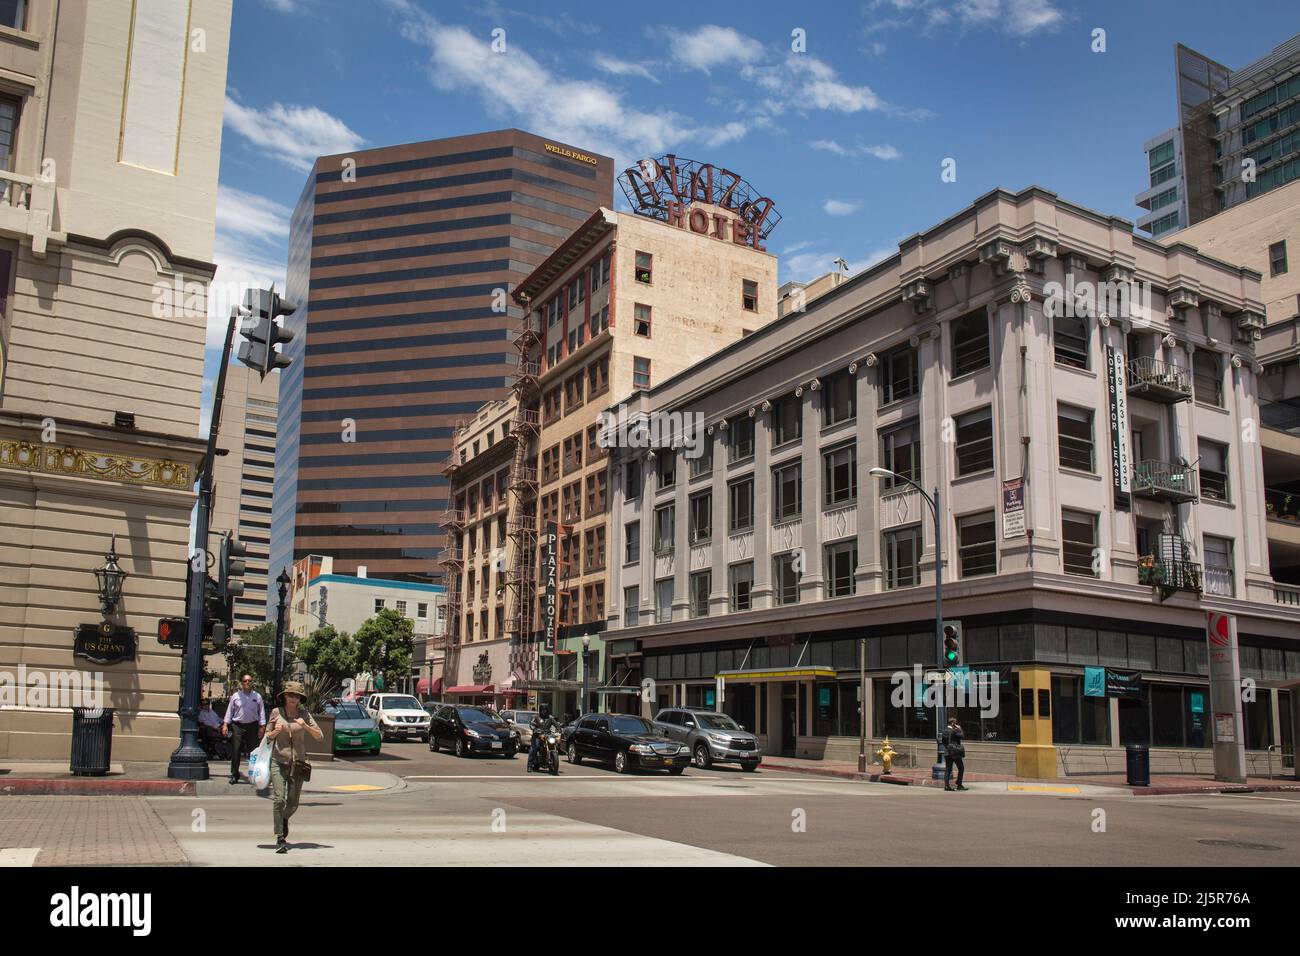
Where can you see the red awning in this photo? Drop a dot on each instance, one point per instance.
(422, 686)
(470, 689)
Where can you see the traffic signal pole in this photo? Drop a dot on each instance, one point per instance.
(942, 712)
(188, 761)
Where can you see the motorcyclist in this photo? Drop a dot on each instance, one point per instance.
(540, 725)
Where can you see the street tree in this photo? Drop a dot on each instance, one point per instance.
(385, 643)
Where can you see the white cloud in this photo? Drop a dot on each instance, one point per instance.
(1019, 18)
(251, 215)
(809, 265)
(249, 251)
(617, 67)
(882, 152)
(879, 152)
(711, 46)
(838, 207)
(295, 135)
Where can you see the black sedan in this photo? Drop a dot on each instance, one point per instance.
(626, 741)
(466, 730)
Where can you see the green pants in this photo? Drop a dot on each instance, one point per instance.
(285, 790)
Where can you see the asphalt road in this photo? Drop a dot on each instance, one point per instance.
(450, 811)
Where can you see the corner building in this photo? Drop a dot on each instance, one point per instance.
(941, 364)
(400, 262)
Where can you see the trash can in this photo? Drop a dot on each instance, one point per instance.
(92, 741)
(1138, 761)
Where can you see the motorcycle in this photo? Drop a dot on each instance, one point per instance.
(548, 750)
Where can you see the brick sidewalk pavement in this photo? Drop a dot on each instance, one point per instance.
(74, 831)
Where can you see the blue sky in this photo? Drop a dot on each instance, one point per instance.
(847, 137)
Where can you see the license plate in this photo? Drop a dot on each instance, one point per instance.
(356, 743)
(496, 745)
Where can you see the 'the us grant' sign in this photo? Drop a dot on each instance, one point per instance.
(104, 643)
(550, 571)
(668, 188)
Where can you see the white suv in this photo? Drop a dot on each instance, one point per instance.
(399, 715)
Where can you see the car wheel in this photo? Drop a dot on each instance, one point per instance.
(460, 747)
(676, 771)
(703, 759)
(749, 767)
(425, 738)
(620, 762)
(573, 754)
(433, 744)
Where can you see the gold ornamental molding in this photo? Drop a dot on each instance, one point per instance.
(46, 459)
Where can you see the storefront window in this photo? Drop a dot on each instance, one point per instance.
(1134, 722)
(1258, 717)
(1077, 719)
(1288, 729)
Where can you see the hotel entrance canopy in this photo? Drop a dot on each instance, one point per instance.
(769, 674)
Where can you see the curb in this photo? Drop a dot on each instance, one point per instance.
(92, 787)
(820, 771)
(1227, 788)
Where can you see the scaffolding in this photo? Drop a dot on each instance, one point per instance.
(521, 521)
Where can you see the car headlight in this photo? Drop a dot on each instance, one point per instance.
(719, 739)
(683, 750)
(471, 733)
(514, 733)
(641, 749)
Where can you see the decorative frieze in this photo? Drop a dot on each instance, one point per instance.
(917, 292)
(47, 459)
(1250, 325)
(998, 253)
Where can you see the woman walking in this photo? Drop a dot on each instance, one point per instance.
(287, 730)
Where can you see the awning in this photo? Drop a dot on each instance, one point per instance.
(548, 684)
(422, 686)
(470, 689)
(767, 674)
(614, 689)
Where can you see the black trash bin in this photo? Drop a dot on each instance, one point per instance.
(92, 741)
(1138, 761)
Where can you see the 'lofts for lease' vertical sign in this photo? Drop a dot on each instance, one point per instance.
(1117, 392)
(550, 568)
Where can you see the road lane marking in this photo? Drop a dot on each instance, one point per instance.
(356, 787)
(19, 855)
(1033, 788)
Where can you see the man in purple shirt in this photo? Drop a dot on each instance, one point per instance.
(247, 716)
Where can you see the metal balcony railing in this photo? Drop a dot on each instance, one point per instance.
(1159, 381)
(1283, 505)
(27, 210)
(1170, 575)
(1165, 481)
(1287, 594)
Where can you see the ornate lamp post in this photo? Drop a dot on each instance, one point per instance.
(586, 665)
(109, 579)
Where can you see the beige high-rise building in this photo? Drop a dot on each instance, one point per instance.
(244, 477)
(110, 129)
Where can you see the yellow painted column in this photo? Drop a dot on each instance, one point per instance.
(1035, 755)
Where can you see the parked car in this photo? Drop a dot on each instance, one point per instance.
(465, 729)
(398, 715)
(355, 731)
(711, 737)
(521, 721)
(627, 742)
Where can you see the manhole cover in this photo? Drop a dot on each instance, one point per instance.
(1238, 845)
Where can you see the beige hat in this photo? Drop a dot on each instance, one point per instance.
(294, 687)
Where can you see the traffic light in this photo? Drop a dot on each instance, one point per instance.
(952, 643)
(261, 331)
(172, 631)
(230, 568)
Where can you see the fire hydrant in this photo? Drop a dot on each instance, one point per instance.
(886, 754)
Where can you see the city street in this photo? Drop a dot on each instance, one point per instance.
(410, 807)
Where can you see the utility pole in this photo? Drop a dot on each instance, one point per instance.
(278, 680)
(862, 705)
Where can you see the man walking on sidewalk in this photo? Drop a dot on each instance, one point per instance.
(247, 716)
(954, 754)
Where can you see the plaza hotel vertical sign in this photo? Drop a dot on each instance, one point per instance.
(550, 571)
(672, 190)
(1117, 393)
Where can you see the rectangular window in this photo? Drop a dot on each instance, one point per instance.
(785, 579)
(899, 375)
(787, 491)
(1162, 154)
(597, 493)
(749, 295)
(599, 321)
(633, 481)
(644, 268)
(1079, 541)
(1074, 437)
(641, 323)
(551, 403)
(666, 468)
(1219, 576)
(970, 343)
(741, 495)
(1070, 340)
(900, 452)
(1277, 258)
(740, 585)
(1214, 470)
(631, 602)
(379, 602)
(401, 608)
(640, 373)
(701, 517)
(422, 611)
(664, 601)
(572, 453)
(701, 582)
(840, 476)
(632, 542)
(977, 544)
(741, 439)
(902, 557)
(839, 402)
(702, 463)
(841, 561)
(595, 450)
(573, 393)
(975, 441)
(1207, 378)
(573, 502)
(787, 420)
(665, 518)
(593, 603)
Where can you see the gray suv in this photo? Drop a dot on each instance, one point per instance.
(712, 737)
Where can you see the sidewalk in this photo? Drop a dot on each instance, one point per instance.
(1161, 784)
(52, 778)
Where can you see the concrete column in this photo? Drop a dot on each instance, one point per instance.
(1035, 755)
(681, 541)
(719, 600)
(868, 572)
(762, 592)
(936, 452)
(646, 613)
(811, 581)
(1112, 705)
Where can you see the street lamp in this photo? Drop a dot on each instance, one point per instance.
(941, 711)
(109, 579)
(586, 663)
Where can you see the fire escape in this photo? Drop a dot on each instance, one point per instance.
(521, 522)
(452, 563)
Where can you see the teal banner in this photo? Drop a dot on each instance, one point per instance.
(1094, 682)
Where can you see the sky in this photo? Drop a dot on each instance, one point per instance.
(843, 113)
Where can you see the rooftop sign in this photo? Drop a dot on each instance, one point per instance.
(664, 188)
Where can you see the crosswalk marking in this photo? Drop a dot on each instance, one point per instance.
(18, 855)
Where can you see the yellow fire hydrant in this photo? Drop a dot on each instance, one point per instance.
(886, 754)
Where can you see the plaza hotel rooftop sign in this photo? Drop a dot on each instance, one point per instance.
(668, 189)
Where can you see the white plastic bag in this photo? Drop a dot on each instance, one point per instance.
(259, 765)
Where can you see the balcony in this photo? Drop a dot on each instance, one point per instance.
(27, 211)
(1165, 481)
(453, 518)
(1288, 594)
(1169, 575)
(1159, 381)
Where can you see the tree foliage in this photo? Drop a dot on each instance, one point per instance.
(330, 656)
(253, 653)
(384, 645)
